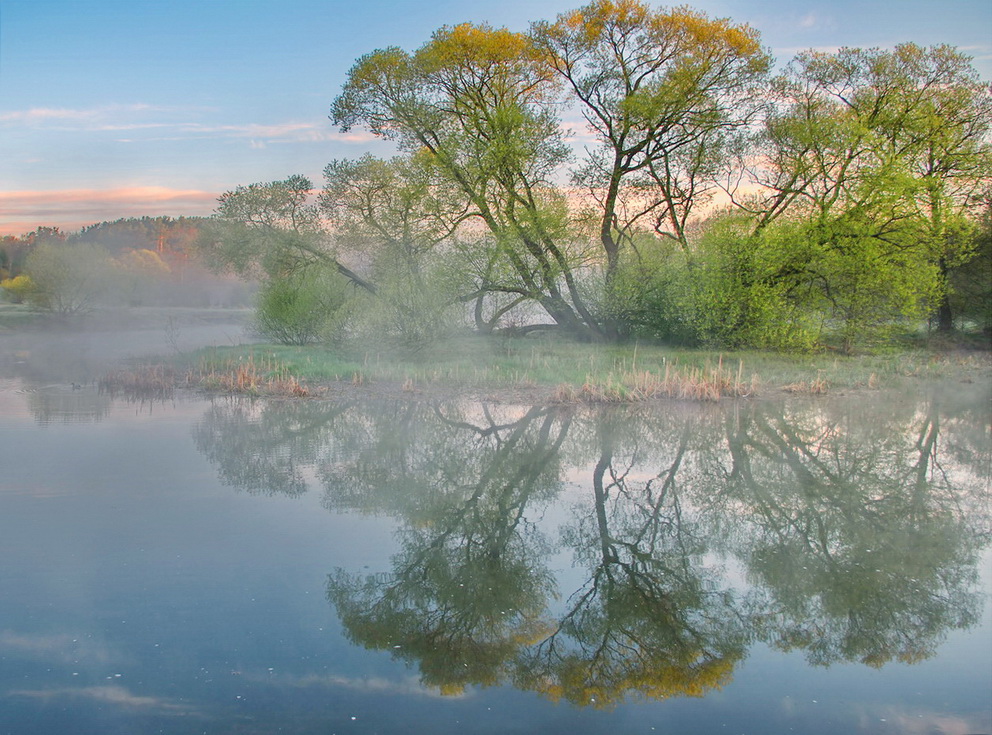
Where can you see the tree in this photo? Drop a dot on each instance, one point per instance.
(275, 232)
(969, 290)
(873, 158)
(272, 229)
(479, 102)
(946, 136)
(69, 279)
(397, 217)
(664, 93)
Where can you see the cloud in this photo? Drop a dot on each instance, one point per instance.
(409, 686)
(74, 208)
(54, 647)
(107, 695)
(177, 122)
(39, 116)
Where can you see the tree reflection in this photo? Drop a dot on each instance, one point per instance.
(266, 448)
(469, 587)
(652, 617)
(857, 524)
(855, 530)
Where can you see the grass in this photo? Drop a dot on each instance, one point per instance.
(569, 371)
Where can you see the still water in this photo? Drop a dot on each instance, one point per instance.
(237, 566)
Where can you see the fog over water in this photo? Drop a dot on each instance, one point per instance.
(236, 565)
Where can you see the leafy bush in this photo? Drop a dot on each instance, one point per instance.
(724, 294)
(301, 307)
(17, 289)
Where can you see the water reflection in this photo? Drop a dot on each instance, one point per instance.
(67, 405)
(849, 530)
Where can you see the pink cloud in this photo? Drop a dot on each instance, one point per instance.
(71, 209)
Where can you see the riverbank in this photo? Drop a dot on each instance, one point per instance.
(158, 350)
(541, 370)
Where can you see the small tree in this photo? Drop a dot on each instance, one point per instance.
(70, 279)
(301, 307)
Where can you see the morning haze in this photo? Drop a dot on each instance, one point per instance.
(525, 369)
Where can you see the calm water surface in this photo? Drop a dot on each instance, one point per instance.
(235, 566)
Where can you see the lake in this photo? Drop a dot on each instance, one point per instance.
(358, 566)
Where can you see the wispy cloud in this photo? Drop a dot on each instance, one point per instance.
(39, 116)
(23, 211)
(177, 123)
(408, 686)
(107, 695)
(53, 647)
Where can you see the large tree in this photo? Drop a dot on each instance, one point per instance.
(479, 102)
(661, 91)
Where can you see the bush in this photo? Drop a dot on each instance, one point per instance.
(17, 289)
(723, 295)
(300, 308)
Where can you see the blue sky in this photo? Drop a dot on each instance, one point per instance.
(116, 108)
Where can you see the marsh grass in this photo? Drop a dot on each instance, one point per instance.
(249, 375)
(242, 375)
(139, 383)
(569, 371)
(708, 383)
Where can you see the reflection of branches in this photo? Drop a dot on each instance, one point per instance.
(265, 447)
(857, 526)
(468, 588)
(857, 544)
(648, 620)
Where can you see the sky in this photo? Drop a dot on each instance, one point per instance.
(126, 108)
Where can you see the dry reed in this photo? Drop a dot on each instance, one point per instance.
(141, 383)
(265, 377)
(696, 384)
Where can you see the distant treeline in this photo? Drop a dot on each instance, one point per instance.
(165, 235)
(146, 261)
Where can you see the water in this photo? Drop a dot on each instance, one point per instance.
(232, 566)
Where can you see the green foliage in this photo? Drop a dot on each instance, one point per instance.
(266, 229)
(970, 281)
(861, 175)
(724, 294)
(70, 279)
(18, 289)
(301, 307)
(412, 309)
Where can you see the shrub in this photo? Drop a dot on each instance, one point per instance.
(17, 289)
(297, 308)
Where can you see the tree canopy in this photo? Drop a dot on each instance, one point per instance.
(855, 177)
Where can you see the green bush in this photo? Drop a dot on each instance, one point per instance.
(17, 289)
(722, 295)
(300, 308)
